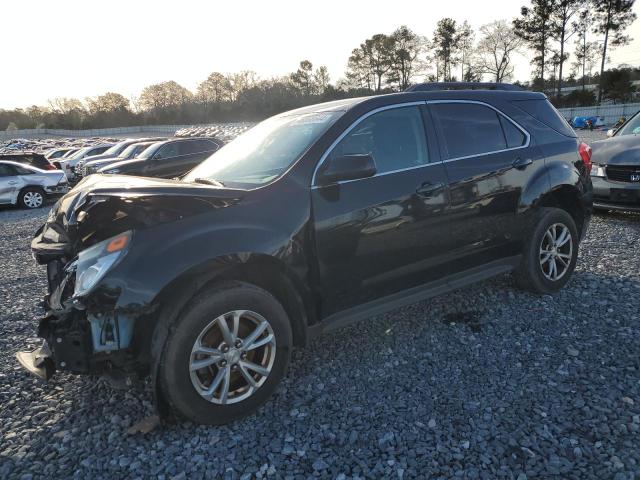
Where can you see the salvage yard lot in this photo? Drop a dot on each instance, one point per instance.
(486, 382)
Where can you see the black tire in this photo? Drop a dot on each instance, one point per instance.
(174, 373)
(530, 275)
(28, 197)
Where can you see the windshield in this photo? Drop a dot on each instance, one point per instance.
(632, 127)
(133, 150)
(116, 149)
(263, 153)
(148, 153)
(79, 153)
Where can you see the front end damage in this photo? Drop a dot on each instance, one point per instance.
(85, 330)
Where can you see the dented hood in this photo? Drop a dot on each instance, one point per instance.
(102, 206)
(620, 150)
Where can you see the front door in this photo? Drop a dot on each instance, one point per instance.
(381, 235)
(9, 182)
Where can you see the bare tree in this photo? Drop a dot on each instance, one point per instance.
(405, 56)
(563, 10)
(496, 48)
(466, 37)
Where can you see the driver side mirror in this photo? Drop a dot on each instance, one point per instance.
(347, 167)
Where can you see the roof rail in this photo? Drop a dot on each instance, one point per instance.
(435, 86)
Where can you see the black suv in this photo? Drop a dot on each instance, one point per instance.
(312, 219)
(167, 159)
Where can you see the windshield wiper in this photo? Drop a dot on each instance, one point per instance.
(208, 181)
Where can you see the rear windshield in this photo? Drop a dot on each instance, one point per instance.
(543, 111)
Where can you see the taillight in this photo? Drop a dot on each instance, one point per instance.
(585, 154)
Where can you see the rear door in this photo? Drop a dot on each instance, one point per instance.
(488, 161)
(385, 234)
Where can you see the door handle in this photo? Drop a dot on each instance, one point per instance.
(521, 163)
(13, 182)
(428, 189)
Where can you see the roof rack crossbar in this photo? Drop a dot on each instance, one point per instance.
(435, 86)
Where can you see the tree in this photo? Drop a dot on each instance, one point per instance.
(616, 85)
(66, 105)
(465, 46)
(321, 80)
(302, 79)
(445, 44)
(241, 81)
(534, 27)
(163, 96)
(108, 102)
(370, 63)
(612, 17)
(563, 11)
(585, 52)
(215, 89)
(406, 48)
(496, 48)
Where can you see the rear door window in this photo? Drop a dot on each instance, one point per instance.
(514, 136)
(6, 170)
(468, 129)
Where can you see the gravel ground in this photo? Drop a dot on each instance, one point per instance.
(487, 382)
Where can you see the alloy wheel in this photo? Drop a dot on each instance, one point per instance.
(232, 357)
(33, 199)
(556, 251)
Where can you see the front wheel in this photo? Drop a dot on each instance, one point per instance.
(550, 253)
(226, 354)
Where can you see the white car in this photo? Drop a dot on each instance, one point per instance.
(29, 186)
(68, 164)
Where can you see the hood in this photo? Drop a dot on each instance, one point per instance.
(127, 165)
(102, 206)
(93, 161)
(622, 150)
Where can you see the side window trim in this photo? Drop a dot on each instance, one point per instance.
(498, 111)
(353, 125)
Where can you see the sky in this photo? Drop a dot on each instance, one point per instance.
(73, 48)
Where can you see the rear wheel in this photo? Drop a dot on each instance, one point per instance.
(550, 253)
(31, 197)
(226, 355)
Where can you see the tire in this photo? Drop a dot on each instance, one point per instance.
(31, 197)
(533, 273)
(183, 386)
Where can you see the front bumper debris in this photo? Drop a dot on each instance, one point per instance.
(38, 362)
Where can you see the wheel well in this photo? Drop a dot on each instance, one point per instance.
(263, 272)
(567, 199)
(269, 275)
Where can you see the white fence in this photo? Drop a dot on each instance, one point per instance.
(611, 113)
(97, 132)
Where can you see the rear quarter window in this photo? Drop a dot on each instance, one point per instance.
(542, 110)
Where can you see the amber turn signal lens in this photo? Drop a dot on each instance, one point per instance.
(117, 243)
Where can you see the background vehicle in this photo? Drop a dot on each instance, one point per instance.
(28, 186)
(67, 164)
(616, 169)
(166, 159)
(113, 152)
(132, 151)
(29, 158)
(310, 220)
(56, 153)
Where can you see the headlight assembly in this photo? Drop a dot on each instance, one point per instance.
(597, 170)
(94, 262)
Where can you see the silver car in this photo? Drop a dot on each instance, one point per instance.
(29, 186)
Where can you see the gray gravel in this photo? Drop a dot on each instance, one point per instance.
(487, 382)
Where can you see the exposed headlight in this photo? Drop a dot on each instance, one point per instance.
(597, 170)
(113, 170)
(94, 262)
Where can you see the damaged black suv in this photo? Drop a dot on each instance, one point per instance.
(312, 219)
